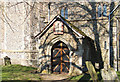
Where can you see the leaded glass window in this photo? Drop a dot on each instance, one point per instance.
(66, 13)
(62, 12)
(104, 10)
(99, 11)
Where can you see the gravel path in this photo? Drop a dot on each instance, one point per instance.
(54, 76)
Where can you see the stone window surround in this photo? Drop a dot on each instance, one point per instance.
(103, 9)
(58, 27)
(64, 11)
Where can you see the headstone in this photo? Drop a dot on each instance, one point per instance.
(7, 60)
(92, 71)
(109, 74)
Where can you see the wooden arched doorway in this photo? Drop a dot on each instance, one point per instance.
(60, 58)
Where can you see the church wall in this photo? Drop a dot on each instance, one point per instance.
(14, 32)
(21, 39)
(87, 21)
(1, 34)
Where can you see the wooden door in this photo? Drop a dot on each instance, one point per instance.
(60, 58)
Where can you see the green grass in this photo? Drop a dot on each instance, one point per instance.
(81, 77)
(118, 73)
(85, 77)
(19, 72)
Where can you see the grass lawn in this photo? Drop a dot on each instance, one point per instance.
(81, 77)
(19, 72)
(118, 73)
(85, 77)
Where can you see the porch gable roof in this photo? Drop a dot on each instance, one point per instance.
(66, 22)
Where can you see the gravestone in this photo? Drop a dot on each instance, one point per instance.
(7, 60)
(109, 74)
(92, 71)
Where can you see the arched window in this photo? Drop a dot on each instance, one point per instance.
(58, 27)
(62, 12)
(99, 11)
(104, 10)
(66, 13)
